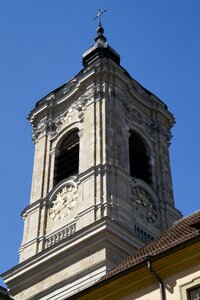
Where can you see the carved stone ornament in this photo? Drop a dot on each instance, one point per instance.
(71, 115)
(133, 114)
(150, 129)
(165, 133)
(143, 203)
(134, 117)
(74, 113)
(43, 128)
(137, 117)
(63, 203)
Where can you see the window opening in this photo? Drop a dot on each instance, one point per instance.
(138, 158)
(67, 161)
(194, 294)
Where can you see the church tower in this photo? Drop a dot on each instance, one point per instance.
(101, 182)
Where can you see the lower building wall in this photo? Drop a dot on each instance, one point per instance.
(176, 287)
(69, 279)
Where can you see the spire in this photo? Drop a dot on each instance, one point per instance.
(101, 48)
(100, 30)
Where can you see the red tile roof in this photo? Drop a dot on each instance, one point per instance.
(182, 231)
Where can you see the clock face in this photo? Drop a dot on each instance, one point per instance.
(144, 204)
(63, 202)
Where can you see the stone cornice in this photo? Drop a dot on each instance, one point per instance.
(72, 88)
(100, 232)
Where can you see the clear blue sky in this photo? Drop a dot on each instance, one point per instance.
(41, 44)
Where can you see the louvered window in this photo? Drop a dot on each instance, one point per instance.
(138, 158)
(67, 160)
(194, 294)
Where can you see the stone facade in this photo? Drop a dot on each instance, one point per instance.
(79, 229)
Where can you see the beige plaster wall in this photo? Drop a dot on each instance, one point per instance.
(175, 286)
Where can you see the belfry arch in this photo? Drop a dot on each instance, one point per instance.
(67, 157)
(139, 160)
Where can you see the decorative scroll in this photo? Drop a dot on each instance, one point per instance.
(137, 116)
(74, 113)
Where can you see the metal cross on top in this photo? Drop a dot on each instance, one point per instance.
(99, 16)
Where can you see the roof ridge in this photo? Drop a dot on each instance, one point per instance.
(186, 217)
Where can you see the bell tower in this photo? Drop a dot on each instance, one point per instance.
(101, 182)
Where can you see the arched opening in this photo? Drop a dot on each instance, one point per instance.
(138, 158)
(67, 160)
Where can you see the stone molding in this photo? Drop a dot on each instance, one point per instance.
(143, 234)
(60, 235)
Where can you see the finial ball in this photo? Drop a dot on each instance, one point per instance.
(100, 30)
